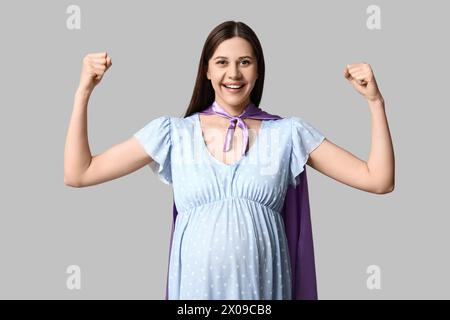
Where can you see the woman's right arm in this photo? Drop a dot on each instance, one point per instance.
(81, 169)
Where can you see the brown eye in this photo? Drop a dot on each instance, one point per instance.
(220, 62)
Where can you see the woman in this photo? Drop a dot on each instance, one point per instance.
(230, 164)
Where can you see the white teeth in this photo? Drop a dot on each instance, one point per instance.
(233, 87)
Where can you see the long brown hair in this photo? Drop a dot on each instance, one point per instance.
(203, 95)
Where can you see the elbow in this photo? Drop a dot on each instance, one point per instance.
(71, 182)
(385, 189)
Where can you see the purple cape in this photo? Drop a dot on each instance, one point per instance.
(297, 223)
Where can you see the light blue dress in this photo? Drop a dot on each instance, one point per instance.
(229, 240)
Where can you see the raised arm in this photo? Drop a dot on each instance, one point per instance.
(81, 169)
(377, 175)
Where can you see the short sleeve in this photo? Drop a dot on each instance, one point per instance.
(155, 138)
(305, 138)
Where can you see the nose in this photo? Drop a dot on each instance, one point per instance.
(234, 71)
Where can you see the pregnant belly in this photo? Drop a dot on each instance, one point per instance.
(229, 237)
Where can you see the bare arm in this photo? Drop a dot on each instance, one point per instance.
(381, 163)
(77, 154)
(80, 167)
(377, 174)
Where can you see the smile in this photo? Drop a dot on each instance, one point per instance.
(233, 89)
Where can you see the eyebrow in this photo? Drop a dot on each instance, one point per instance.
(221, 57)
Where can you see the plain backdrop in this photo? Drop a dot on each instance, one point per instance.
(118, 232)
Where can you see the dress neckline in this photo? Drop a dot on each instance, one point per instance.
(208, 153)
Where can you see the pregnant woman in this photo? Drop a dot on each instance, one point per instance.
(231, 165)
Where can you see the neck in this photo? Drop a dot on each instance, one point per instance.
(234, 110)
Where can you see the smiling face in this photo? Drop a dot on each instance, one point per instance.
(233, 62)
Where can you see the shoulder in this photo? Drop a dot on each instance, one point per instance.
(301, 125)
(172, 122)
(288, 123)
(278, 123)
(184, 123)
(297, 121)
(299, 129)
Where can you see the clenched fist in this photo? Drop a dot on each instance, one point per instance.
(361, 76)
(94, 67)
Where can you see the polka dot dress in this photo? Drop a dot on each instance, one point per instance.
(229, 240)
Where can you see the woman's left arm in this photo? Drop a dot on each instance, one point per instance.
(377, 175)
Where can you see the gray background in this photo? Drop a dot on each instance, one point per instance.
(118, 232)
